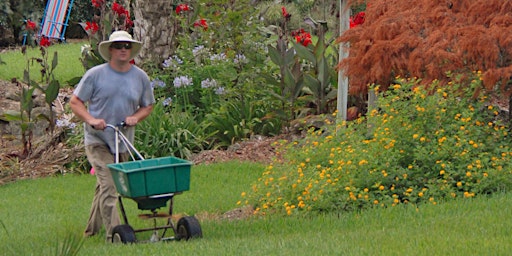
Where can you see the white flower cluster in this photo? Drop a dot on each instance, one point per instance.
(172, 61)
(182, 81)
(65, 123)
(157, 83)
(208, 83)
(167, 101)
(218, 57)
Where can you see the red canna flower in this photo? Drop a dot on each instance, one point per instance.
(92, 26)
(286, 15)
(358, 19)
(128, 22)
(302, 37)
(118, 9)
(201, 23)
(44, 42)
(182, 8)
(98, 3)
(31, 25)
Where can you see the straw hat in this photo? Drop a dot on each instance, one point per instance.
(119, 36)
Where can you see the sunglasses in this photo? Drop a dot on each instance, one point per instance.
(121, 46)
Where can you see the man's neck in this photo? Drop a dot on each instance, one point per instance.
(120, 66)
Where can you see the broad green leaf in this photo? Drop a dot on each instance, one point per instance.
(275, 56)
(323, 72)
(333, 94)
(319, 49)
(52, 91)
(10, 116)
(304, 52)
(74, 81)
(289, 80)
(296, 69)
(312, 84)
(54, 61)
(27, 102)
(298, 87)
(289, 56)
(43, 117)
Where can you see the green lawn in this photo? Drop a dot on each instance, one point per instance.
(68, 67)
(37, 216)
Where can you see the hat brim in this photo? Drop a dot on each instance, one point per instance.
(104, 46)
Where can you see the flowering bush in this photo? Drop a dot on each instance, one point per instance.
(417, 146)
(216, 67)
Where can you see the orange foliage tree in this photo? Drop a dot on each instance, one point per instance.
(428, 38)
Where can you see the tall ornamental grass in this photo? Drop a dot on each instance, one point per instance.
(418, 145)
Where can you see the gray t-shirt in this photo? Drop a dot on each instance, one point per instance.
(112, 96)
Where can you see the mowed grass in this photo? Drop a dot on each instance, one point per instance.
(37, 215)
(68, 62)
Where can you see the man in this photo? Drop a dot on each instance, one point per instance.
(115, 92)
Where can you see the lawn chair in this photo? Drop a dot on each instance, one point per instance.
(55, 19)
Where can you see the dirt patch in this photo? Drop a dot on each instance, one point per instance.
(259, 149)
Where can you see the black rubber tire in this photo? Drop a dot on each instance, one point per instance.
(188, 227)
(123, 234)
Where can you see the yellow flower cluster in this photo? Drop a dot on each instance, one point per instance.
(431, 154)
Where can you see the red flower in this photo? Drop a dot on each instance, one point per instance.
(201, 23)
(98, 3)
(31, 25)
(286, 15)
(128, 22)
(44, 42)
(182, 8)
(302, 37)
(92, 26)
(118, 9)
(358, 19)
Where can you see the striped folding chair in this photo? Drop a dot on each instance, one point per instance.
(55, 19)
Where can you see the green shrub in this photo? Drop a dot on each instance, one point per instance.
(417, 146)
(239, 120)
(169, 132)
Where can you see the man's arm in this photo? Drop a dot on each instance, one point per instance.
(79, 109)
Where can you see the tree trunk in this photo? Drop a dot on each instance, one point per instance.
(153, 26)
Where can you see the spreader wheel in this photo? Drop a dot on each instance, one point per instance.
(123, 234)
(188, 227)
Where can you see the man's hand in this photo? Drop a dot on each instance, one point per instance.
(98, 124)
(131, 120)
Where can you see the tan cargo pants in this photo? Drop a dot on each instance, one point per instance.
(104, 204)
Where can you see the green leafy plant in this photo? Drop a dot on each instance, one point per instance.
(318, 88)
(168, 131)
(305, 75)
